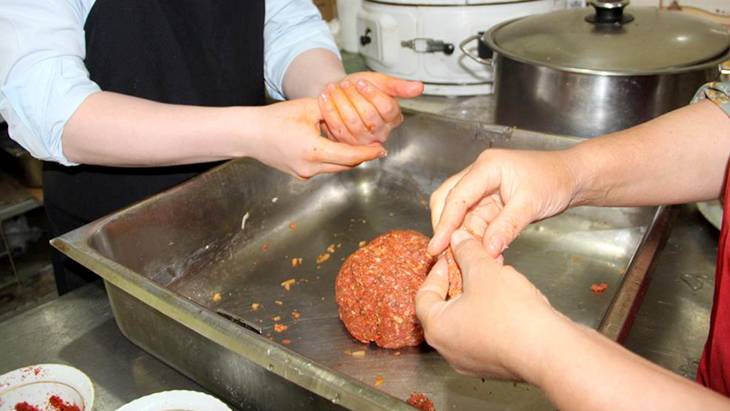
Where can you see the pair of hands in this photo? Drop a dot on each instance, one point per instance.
(357, 116)
(496, 326)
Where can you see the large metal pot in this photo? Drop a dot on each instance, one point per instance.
(583, 73)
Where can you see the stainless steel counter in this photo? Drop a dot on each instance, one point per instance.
(78, 329)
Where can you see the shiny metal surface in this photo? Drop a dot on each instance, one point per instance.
(672, 325)
(78, 329)
(543, 99)
(655, 42)
(178, 257)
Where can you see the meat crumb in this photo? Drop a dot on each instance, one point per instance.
(216, 297)
(294, 262)
(331, 248)
(362, 243)
(358, 353)
(292, 226)
(255, 306)
(275, 199)
(421, 402)
(599, 288)
(391, 215)
(286, 341)
(277, 318)
(397, 353)
(265, 246)
(378, 381)
(339, 245)
(323, 257)
(280, 328)
(278, 302)
(288, 283)
(295, 314)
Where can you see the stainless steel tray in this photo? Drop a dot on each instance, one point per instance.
(174, 262)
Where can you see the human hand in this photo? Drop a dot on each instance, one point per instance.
(362, 108)
(497, 326)
(500, 194)
(290, 140)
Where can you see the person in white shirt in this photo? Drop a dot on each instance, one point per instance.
(125, 98)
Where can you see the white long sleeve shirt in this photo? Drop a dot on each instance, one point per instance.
(43, 79)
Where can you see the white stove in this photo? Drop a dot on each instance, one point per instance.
(419, 39)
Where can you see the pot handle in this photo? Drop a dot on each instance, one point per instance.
(476, 58)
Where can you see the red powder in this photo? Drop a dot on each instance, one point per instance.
(62, 405)
(24, 406)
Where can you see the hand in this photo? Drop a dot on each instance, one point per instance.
(500, 194)
(291, 141)
(496, 327)
(362, 108)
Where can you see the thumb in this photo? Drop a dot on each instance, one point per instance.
(432, 292)
(406, 89)
(508, 224)
(396, 87)
(472, 257)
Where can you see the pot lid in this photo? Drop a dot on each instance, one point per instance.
(639, 40)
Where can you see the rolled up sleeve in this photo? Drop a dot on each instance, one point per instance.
(291, 28)
(43, 79)
(717, 92)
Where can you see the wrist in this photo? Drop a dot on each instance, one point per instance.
(582, 190)
(536, 361)
(244, 128)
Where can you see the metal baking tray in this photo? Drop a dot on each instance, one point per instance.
(182, 272)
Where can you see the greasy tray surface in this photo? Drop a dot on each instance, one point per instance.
(190, 241)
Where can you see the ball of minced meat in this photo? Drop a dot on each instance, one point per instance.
(376, 289)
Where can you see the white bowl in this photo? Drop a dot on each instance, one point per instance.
(36, 384)
(176, 400)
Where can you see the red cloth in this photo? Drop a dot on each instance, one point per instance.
(714, 369)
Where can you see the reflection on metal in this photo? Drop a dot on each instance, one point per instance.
(193, 231)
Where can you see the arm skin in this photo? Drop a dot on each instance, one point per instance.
(117, 130)
(676, 158)
(503, 327)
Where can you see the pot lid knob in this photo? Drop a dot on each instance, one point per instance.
(609, 12)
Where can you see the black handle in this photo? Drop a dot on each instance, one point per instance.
(609, 12)
(366, 39)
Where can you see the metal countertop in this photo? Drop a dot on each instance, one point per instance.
(78, 329)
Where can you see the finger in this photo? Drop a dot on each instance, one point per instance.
(347, 111)
(472, 258)
(331, 152)
(476, 184)
(433, 291)
(387, 106)
(365, 109)
(396, 87)
(438, 198)
(475, 224)
(333, 120)
(332, 168)
(515, 216)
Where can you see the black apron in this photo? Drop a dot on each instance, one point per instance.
(196, 52)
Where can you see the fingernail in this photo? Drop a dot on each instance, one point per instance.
(324, 97)
(345, 84)
(363, 85)
(331, 87)
(384, 153)
(496, 244)
(459, 236)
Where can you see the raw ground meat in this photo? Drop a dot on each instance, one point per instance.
(455, 279)
(421, 402)
(376, 289)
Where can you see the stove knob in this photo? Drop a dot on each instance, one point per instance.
(366, 39)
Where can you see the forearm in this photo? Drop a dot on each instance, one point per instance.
(117, 130)
(310, 72)
(583, 370)
(677, 158)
